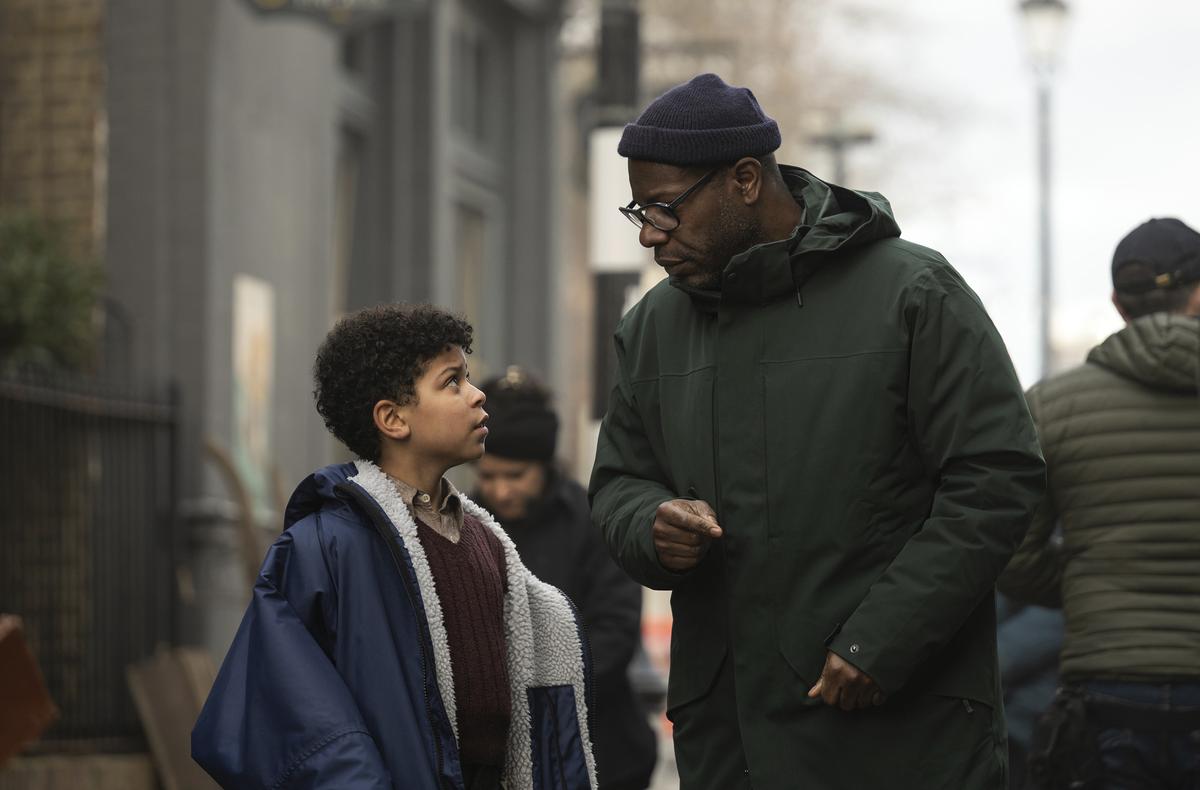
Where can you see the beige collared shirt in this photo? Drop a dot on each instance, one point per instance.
(442, 513)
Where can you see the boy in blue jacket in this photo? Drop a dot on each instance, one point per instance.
(394, 639)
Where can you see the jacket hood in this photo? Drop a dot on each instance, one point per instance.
(1160, 351)
(836, 219)
(316, 490)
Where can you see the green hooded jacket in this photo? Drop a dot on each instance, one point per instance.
(1122, 440)
(849, 410)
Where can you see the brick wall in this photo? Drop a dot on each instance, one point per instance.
(52, 120)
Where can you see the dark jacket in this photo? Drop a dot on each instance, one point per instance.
(339, 676)
(1121, 435)
(559, 545)
(850, 411)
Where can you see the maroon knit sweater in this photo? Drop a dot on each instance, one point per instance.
(470, 579)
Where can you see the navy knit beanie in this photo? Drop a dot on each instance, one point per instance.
(702, 122)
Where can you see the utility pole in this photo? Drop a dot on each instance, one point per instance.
(1045, 23)
(619, 64)
(615, 255)
(838, 140)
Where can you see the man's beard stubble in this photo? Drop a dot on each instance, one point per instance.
(734, 233)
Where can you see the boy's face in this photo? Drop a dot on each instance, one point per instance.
(446, 422)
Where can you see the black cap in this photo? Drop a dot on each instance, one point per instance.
(521, 424)
(703, 121)
(1160, 254)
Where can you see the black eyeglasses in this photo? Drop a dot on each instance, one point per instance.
(661, 215)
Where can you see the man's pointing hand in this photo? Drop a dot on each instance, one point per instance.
(683, 531)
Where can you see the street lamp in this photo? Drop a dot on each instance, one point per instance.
(838, 138)
(1045, 21)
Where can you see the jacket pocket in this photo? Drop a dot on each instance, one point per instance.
(966, 667)
(698, 638)
(833, 420)
(681, 405)
(555, 740)
(693, 672)
(970, 747)
(802, 644)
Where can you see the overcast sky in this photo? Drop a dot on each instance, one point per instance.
(958, 160)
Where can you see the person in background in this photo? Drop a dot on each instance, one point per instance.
(1028, 639)
(546, 515)
(1121, 436)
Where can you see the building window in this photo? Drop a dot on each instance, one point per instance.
(353, 52)
(347, 178)
(471, 84)
(471, 260)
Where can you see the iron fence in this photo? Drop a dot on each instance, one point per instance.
(87, 556)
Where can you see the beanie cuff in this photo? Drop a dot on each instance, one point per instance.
(685, 147)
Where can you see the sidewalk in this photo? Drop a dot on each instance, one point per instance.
(665, 776)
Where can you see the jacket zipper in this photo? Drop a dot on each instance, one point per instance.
(393, 549)
(589, 687)
(716, 443)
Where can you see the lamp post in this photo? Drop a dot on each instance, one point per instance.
(838, 139)
(1045, 21)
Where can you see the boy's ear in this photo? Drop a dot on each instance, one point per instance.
(391, 419)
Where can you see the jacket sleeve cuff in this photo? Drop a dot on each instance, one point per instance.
(654, 575)
(867, 657)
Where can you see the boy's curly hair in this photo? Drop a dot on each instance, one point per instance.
(378, 354)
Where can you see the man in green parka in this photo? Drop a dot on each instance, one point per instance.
(818, 443)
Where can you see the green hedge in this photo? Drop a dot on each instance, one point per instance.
(48, 298)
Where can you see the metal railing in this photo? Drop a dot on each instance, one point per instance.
(87, 534)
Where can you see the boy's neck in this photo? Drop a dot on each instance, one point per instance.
(421, 474)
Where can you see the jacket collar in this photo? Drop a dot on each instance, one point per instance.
(835, 218)
(759, 275)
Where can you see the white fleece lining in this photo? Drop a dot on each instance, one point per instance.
(543, 650)
(541, 634)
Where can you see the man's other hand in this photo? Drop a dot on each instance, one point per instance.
(842, 684)
(683, 531)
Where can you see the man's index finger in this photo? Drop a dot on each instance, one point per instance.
(687, 518)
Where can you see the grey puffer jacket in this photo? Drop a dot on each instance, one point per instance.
(1121, 436)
